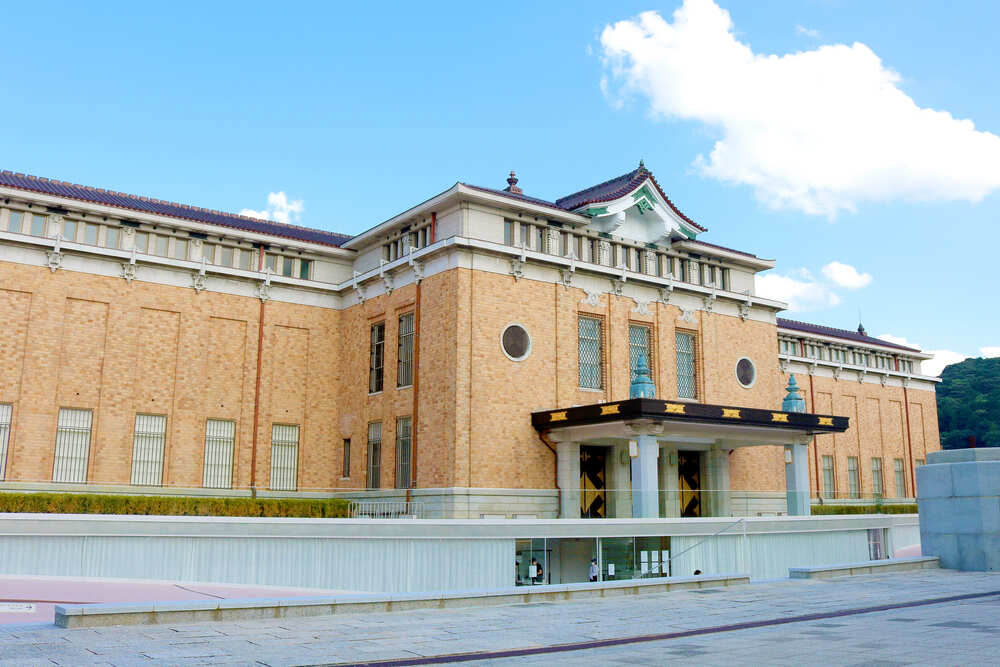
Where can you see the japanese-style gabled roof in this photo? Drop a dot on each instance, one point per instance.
(514, 195)
(619, 187)
(820, 330)
(170, 209)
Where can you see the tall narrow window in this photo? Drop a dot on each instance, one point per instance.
(591, 353)
(38, 225)
(403, 439)
(220, 436)
(69, 230)
(853, 483)
(347, 458)
(377, 358)
(248, 259)
(375, 455)
(287, 267)
(687, 380)
(6, 410)
(90, 233)
(226, 256)
(14, 222)
(877, 487)
(404, 358)
(208, 252)
(147, 449)
(160, 245)
(141, 241)
(284, 457)
(639, 344)
(72, 445)
(508, 232)
(828, 479)
(897, 465)
(304, 266)
(180, 249)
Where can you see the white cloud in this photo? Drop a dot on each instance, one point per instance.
(820, 131)
(802, 30)
(941, 359)
(845, 275)
(990, 351)
(898, 340)
(802, 294)
(279, 208)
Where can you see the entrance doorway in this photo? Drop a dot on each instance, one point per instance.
(689, 482)
(593, 491)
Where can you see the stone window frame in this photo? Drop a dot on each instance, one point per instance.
(736, 372)
(531, 342)
(602, 352)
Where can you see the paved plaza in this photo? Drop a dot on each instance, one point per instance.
(928, 617)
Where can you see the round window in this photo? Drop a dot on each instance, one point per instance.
(746, 373)
(515, 342)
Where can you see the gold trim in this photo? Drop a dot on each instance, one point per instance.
(730, 413)
(557, 416)
(825, 421)
(779, 417)
(674, 408)
(610, 409)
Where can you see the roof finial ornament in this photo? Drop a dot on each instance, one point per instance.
(641, 164)
(512, 184)
(642, 383)
(793, 401)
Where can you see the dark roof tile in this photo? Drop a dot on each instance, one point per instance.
(820, 330)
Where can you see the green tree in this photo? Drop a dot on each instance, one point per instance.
(969, 403)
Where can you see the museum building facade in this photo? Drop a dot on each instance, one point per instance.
(478, 354)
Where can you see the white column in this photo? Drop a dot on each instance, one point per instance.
(619, 496)
(670, 493)
(717, 478)
(568, 474)
(797, 479)
(645, 501)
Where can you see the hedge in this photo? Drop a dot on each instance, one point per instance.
(904, 508)
(86, 503)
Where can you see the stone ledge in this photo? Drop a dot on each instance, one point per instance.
(865, 567)
(153, 613)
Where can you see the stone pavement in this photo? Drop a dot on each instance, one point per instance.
(958, 632)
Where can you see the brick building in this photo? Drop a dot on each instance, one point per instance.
(159, 348)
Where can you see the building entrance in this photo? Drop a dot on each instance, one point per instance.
(689, 482)
(593, 491)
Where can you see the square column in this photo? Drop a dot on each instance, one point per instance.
(797, 479)
(645, 496)
(619, 493)
(568, 475)
(670, 488)
(717, 482)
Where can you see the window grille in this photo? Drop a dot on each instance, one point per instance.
(147, 449)
(220, 436)
(853, 483)
(6, 410)
(828, 480)
(284, 456)
(72, 445)
(377, 358)
(687, 385)
(877, 487)
(404, 358)
(374, 455)
(403, 440)
(639, 343)
(900, 478)
(347, 457)
(591, 353)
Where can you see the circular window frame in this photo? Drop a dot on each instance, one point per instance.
(736, 372)
(527, 352)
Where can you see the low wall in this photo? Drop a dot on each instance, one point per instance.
(396, 556)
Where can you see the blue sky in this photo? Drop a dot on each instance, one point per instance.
(360, 111)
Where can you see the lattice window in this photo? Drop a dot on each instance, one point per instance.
(403, 441)
(375, 455)
(640, 341)
(404, 363)
(6, 410)
(900, 478)
(853, 483)
(220, 439)
(687, 378)
(591, 353)
(72, 445)
(877, 487)
(828, 478)
(147, 449)
(284, 457)
(377, 358)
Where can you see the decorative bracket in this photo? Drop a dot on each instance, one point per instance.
(884, 379)
(666, 293)
(687, 315)
(517, 269)
(359, 288)
(54, 257)
(642, 305)
(710, 301)
(566, 277)
(198, 279)
(812, 368)
(745, 306)
(861, 375)
(836, 372)
(264, 289)
(385, 276)
(593, 298)
(784, 365)
(617, 286)
(906, 382)
(418, 267)
(128, 268)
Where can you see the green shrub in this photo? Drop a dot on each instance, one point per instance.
(902, 508)
(89, 503)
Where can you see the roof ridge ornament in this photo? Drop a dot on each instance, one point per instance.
(512, 184)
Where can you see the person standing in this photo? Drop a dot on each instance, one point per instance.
(595, 571)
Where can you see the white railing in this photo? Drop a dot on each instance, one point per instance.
(386, 509)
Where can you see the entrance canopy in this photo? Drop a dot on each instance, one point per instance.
(635, 430)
